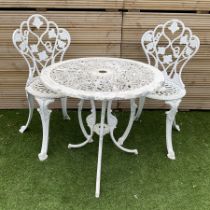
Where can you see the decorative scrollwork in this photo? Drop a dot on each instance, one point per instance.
(112, 120)
(40, 42)
(169, 47)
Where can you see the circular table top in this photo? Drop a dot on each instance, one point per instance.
(101, 78)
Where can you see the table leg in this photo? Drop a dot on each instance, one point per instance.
(102, 129)
(91, 121)
(133, 107)
(100, 147)
(112, 122)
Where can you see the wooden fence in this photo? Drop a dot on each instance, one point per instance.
(105, 28)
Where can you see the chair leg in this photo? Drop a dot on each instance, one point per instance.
(140, 107)
(30, 99)
(64, 108)
(45, 118)
(171, 114)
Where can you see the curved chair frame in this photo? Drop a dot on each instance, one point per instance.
(41, 43)
(169, 47)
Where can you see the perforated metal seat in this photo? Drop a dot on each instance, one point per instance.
(37, 89)
(168, 91)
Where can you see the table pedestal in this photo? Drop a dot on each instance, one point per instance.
(102, 129)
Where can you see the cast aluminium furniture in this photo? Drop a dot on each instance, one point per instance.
(103, 79)
(41, 43)
(169, 47)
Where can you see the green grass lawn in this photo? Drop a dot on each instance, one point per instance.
(67, 179)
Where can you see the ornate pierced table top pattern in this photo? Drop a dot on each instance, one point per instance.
(102, 78)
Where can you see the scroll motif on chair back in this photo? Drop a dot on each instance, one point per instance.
(41, 43)
(169, 47)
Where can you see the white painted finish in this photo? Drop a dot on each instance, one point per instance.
(103, 79)
(170, 117)
(169, 47)
(140, 108)
(91, 122)
(181, 45)
(112, 123)
(30, 99)
(41, 43)
(100, 147)
(45, 118)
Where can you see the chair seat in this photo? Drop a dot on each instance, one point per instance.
(168, 91)
(37, 88)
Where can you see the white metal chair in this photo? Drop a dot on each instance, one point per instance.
(169, 47)
(41, 43)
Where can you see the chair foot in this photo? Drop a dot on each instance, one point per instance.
(42, 156)
(171, 156)
(22, 129)
(136, 152)
(66, 117)
(97, 194)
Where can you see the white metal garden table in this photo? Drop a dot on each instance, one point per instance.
(104, 79)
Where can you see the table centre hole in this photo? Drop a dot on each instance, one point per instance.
(102, 71)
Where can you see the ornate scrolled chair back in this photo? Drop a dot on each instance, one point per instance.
(169, 47)
(41, 43)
